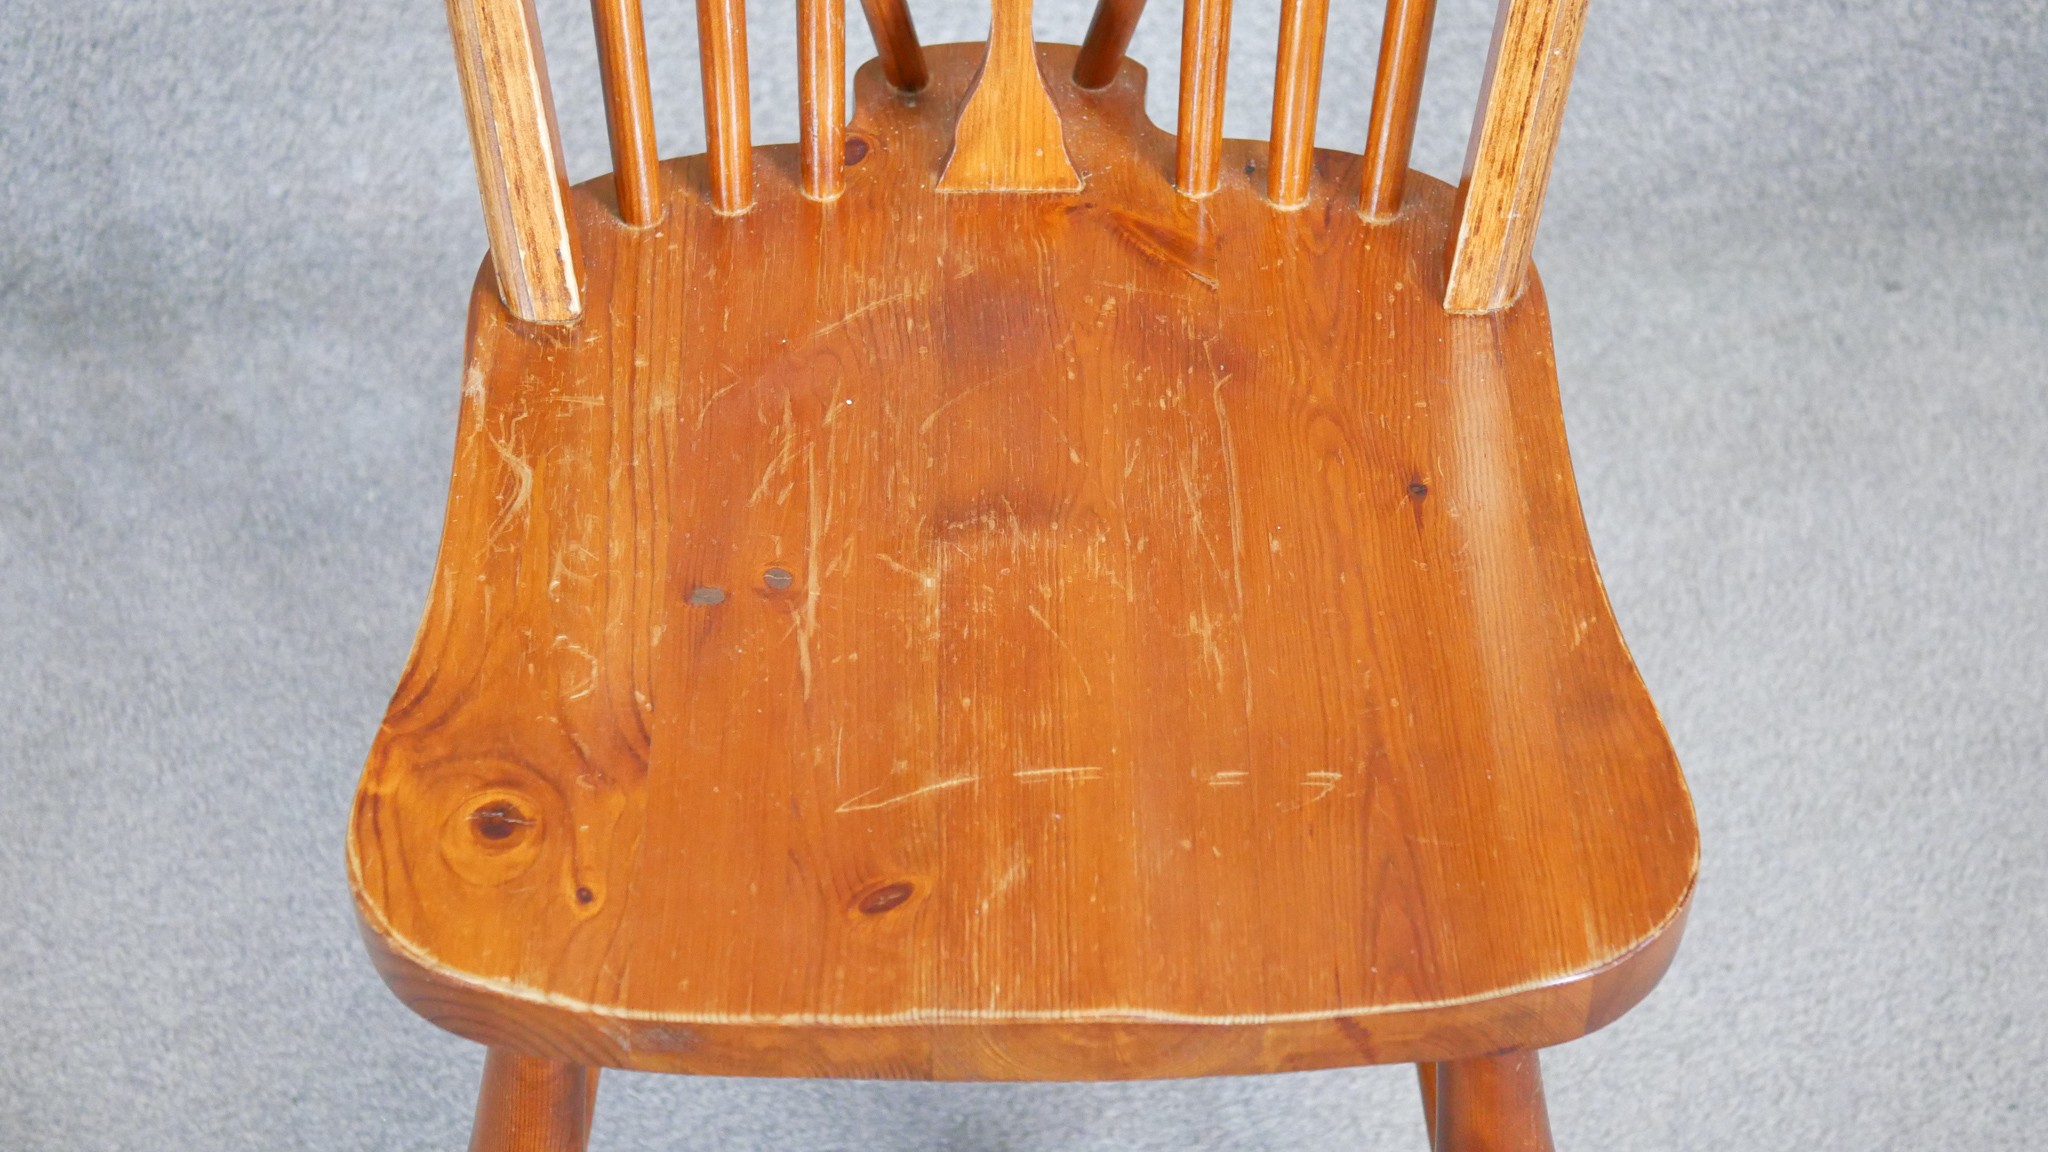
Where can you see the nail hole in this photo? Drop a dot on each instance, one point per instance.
(856, 150)
(778, 578)
(705, 594)
(884, 898)
(585, 895)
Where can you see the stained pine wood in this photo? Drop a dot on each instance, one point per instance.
(1204, 61)
(728, 130)
(1396, 98)
(1425, 1074)
(1008, 136)
(1079, 635)
(1489, 1104)
(896, 43)
(1297, 89)
(518, 153)
(531, 1105)
(821, 96)
(1108, 37)
(1507, 165)
(628, 108)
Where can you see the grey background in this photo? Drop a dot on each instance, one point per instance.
(1797, 255)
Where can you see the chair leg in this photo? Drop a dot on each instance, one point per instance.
(1488, 1104)
(1426, 1073)
(533, 1105)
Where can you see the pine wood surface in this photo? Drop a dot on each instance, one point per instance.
(1083, 635)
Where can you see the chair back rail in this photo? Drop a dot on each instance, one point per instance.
(521, 175)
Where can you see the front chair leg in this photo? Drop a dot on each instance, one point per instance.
(533, 1105)
(1486, 1104)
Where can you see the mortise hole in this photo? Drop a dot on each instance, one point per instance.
(778, 578)
(886, 897)
(704, 594)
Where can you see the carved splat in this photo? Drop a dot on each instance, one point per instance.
(1008, 138)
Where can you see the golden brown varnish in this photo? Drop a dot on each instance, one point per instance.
(1150, 637)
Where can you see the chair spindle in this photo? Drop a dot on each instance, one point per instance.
(1204, 56)
(728, 133)
(1109, 36)
(821, 96)
(628, 109)
(1507, 163)
(1297, 89)
(896, 44)
(518, 152)
(1396, 96)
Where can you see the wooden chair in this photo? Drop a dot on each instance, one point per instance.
(998, 592)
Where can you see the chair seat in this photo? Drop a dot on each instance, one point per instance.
(1018, 637)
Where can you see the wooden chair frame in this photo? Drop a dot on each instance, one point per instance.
(1009, 139)
(525, 186)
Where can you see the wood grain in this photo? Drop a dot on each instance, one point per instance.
(628, 109)
(1507, 164)
(518, 152)
(1008, 138)
(1076, 636)
(1396, 97)
(1490, 1104)
(1297, 90)
(728, 132)
(1204, 60)
(1108, 38)
(896, 44)
(821, 97)
(532, 1105)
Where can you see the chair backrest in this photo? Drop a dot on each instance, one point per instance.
(1002, 142)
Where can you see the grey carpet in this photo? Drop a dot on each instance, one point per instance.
(1798, 259)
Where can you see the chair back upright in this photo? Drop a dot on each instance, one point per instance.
(1007, 139)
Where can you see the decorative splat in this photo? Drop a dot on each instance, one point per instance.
(1008, 138)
